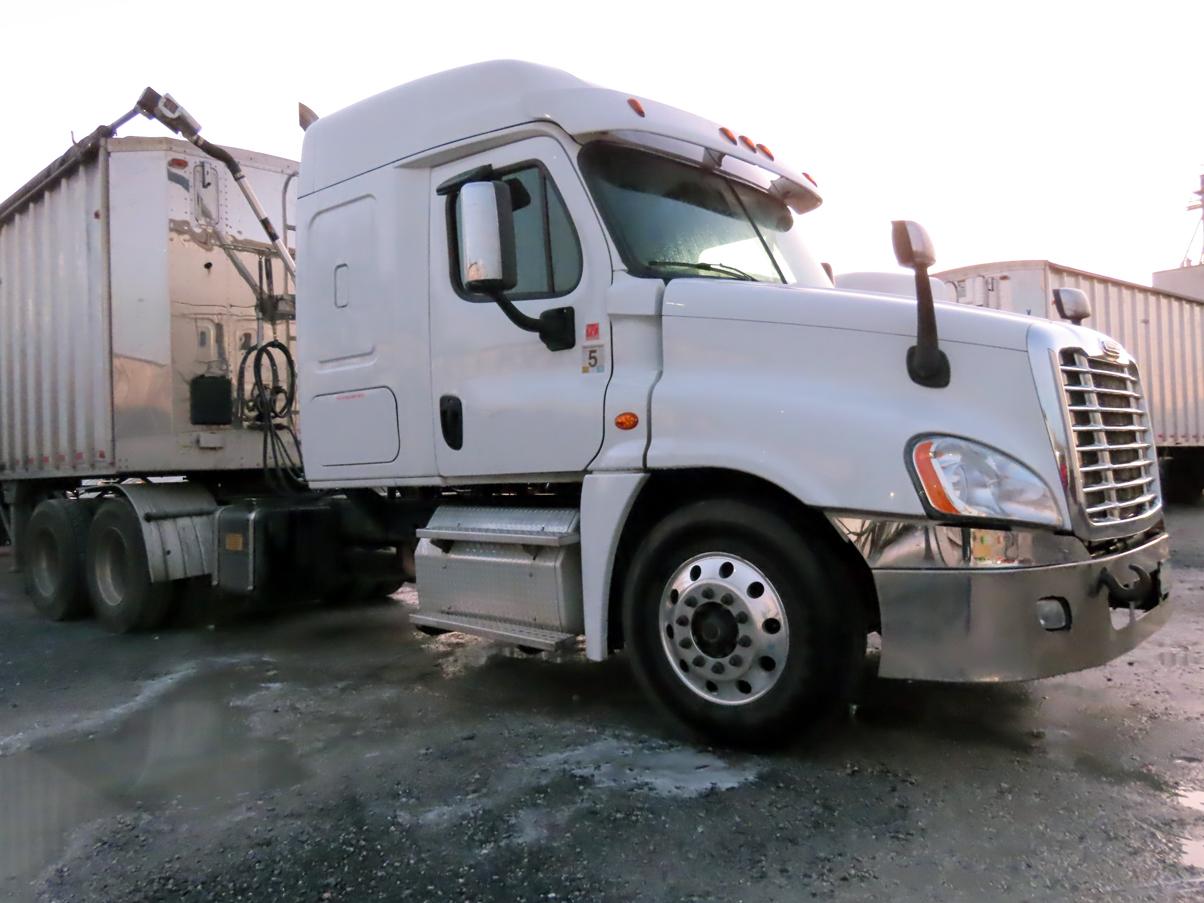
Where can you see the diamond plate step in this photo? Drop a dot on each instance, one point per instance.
(497, 629)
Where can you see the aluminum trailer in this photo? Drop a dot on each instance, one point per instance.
(133, 279)
(1163, 330)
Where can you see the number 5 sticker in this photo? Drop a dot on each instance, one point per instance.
(593, 359)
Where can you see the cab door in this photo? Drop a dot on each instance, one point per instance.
(506, 404)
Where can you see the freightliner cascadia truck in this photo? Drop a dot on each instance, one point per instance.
(559, 355)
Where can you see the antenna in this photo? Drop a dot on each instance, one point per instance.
(1198, 205)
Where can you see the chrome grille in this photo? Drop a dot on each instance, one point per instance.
(1111, 434)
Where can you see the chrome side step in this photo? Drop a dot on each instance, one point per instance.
(496, 629)
(507, 526)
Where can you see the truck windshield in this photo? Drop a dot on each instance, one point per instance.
(670, 219)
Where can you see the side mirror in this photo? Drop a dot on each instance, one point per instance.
(927, 364)
(487, 256)
(1072, 304)
(913, 247)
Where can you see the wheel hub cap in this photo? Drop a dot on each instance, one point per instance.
(723, 628)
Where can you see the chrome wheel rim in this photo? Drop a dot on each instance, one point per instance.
(724, 629)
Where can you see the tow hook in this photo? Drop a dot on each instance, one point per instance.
(1137, 594)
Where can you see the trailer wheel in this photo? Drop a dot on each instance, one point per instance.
(740, 624)
(54, 564)
(123, 596)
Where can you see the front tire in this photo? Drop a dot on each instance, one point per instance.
(740, 623)
(123, 596)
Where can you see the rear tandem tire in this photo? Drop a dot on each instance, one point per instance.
(741, 624)
(123, 596)
(55, 564)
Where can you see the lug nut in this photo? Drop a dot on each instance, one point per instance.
(735, 661)
(682, 620)
(742, 617)
(699, 661)
(685, 643)
(717, 668)
(691, 601)
(708, 593)
(745, 641)
(727, 599)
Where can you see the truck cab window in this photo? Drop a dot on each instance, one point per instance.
(546, 245)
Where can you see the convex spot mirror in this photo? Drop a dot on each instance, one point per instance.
(913, 247)
(488, 263)
(1072, 304)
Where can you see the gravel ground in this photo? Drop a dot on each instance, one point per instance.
(338, 755)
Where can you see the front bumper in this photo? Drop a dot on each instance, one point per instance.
(967, 624)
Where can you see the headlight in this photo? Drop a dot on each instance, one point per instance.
(960, 478)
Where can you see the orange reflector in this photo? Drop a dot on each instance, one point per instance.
(934, 488)
(728, 134)
(627, 420)
(177, 163)
(766, 151)
(635, 105)
(749, 143)
(807, 176)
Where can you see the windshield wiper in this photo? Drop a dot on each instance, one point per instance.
(708, 267)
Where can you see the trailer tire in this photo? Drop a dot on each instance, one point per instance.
(123, 596)
(55, 566)
(740, 623)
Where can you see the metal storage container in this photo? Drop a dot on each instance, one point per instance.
(122, 315)
(1163, 331)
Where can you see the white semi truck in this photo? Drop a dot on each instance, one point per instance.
(563, 358)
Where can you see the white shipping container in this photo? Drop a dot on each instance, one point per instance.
(1163, 331)
(115, 295)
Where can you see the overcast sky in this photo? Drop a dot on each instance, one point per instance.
(1061, 130)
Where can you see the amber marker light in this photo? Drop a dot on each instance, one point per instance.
(628, 420)
(921, 456)
(766, 151)
(636, 105)
(728, 134)
(749, 143)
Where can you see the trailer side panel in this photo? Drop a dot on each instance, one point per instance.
(55, 380)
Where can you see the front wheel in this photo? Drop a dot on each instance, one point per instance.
(739, 622)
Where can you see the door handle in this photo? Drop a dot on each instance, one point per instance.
(451, 420)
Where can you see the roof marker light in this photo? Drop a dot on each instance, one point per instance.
(807, 176)
(749, 143)
(636, 105)
(766, 151)
(728, 134)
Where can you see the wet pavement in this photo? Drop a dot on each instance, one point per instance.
(338, 755)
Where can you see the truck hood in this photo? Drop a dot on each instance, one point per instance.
(830, 308)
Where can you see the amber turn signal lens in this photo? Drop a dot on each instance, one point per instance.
(728, 134)
(921, 456)
(635, 105)
(627, 420)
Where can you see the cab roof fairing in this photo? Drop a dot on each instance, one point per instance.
(474, 100)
